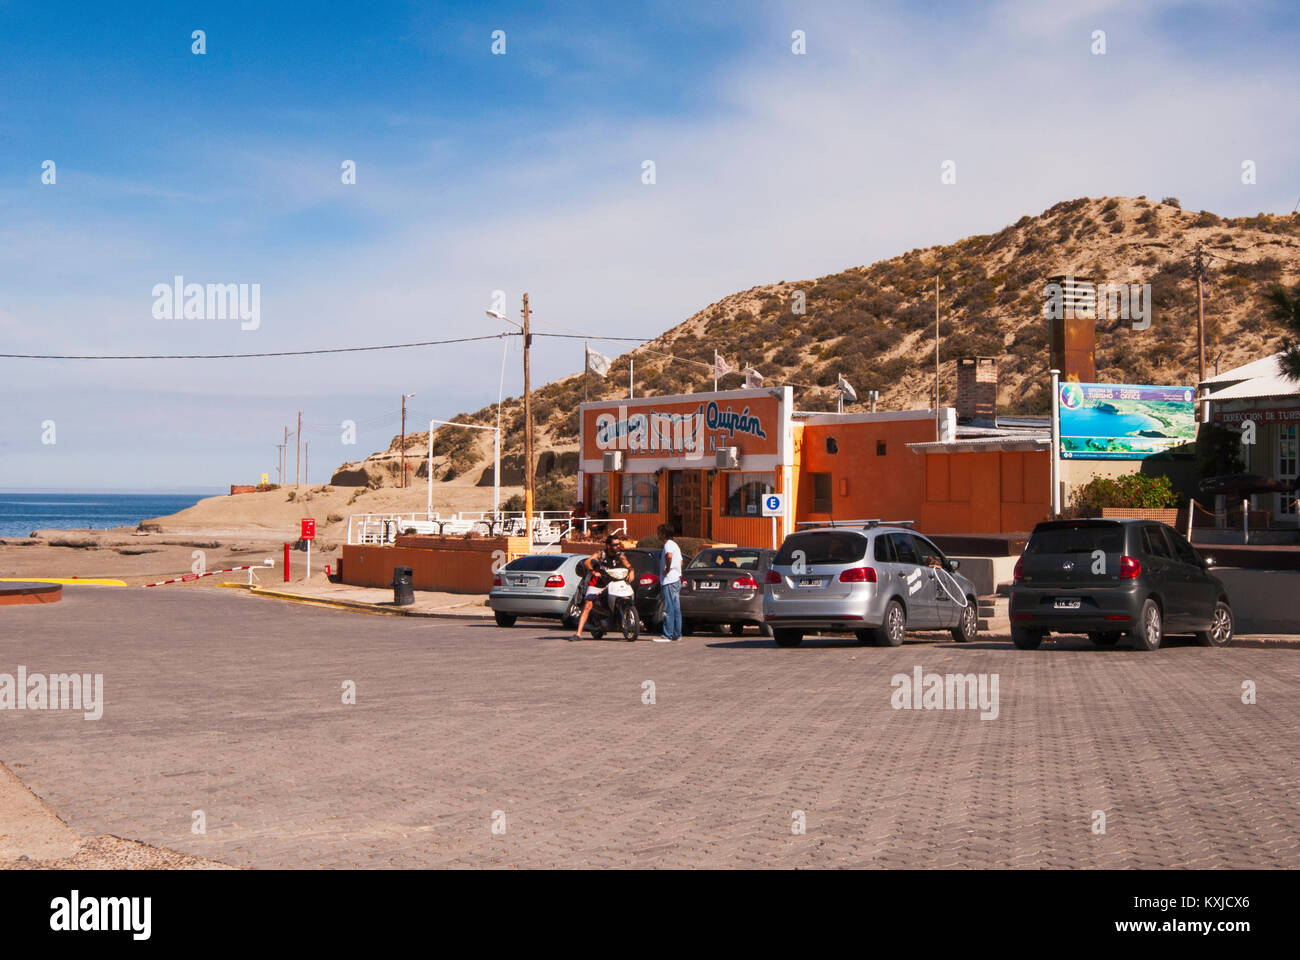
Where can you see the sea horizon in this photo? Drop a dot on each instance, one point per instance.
(23, 511)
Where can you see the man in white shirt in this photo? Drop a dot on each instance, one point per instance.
(670, 585)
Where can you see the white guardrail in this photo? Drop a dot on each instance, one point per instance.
(549, 527)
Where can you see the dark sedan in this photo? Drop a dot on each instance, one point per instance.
(1116, 579)
(724, 585)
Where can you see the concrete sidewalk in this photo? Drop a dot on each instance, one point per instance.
(373, 599)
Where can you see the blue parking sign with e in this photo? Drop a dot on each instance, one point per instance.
(772, 506)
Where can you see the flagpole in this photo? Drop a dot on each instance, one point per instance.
(715, 371)
(586, 366)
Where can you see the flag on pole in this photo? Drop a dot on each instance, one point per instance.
(597, 363)
(844, 388)
(720, 366)
(753, 379)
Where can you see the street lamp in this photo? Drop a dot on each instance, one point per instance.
(496, 464)
(405, 397)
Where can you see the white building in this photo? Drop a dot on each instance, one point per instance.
(1259, 392)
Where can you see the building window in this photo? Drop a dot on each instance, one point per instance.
(821, 492)
(1288, 463)
(599, 492)
(640, 493)
(880, 448)
(745, 493)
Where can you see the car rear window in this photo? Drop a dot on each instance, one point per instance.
(1108, 538)
(727, 559)
(823, 548)
(537, 562)
(646, 561)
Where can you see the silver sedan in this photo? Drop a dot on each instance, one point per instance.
(538, 585)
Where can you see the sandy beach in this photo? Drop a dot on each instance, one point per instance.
(230, 531)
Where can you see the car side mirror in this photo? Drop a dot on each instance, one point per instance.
(953, 565)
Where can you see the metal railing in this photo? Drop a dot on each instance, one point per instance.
(549, 527)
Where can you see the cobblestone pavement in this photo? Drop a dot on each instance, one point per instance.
(232, 705)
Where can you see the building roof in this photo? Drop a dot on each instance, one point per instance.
(983, 445)
(1257, 379)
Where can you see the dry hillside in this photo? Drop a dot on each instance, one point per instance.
(875, 324)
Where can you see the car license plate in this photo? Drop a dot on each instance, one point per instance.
(810, 582)
(709, 584)
(519, 581)
(1066, 603)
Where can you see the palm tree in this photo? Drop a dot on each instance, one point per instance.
(1284, 307)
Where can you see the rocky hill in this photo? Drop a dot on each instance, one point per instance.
(875, 325)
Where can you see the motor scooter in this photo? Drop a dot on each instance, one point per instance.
(616, 608)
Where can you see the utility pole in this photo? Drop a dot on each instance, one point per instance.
(297, 460)
(528, 430)
(284, 457)
(1200, 314)
(279, 463)
(306, 462)
(936, 356)
(406, 396)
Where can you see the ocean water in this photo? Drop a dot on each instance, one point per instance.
(21, 513)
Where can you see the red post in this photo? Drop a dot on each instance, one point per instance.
(286, 563)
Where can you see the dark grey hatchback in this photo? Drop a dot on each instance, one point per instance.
(1113, 579)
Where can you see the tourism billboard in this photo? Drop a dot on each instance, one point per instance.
(1113, 421)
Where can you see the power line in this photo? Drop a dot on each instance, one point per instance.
(286, 353)
(243, 356)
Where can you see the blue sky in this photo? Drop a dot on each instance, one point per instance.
(522, 172)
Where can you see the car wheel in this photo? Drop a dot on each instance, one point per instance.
(892, 629)
(1220, 631)
(970, 623)
(1026, 639)
(597, 632)
(865, 636)
(1150, 628)
(1107, 638)
(572, 612)
(737, 629)
(787, 638)
(504, 619)
(688, 627)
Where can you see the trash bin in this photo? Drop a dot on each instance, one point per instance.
(403, 586)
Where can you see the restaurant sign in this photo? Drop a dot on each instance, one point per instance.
(692, 430)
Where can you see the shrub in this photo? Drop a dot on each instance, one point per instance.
(1172, 202)
(1127, 490)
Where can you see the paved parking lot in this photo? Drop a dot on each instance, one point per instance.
(232, 705)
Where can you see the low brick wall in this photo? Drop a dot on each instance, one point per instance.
(1173, 516)
(446, 564)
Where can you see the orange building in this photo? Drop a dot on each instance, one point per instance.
(703, 462)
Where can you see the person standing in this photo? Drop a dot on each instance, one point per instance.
(670, 584)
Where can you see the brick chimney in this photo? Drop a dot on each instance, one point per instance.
(977, 391)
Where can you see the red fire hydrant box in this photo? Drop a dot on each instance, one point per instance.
(308, 528)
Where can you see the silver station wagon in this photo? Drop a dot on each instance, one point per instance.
(872, 578)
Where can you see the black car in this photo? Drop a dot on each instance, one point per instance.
(1113, 579)
(725, 585)
(646, 566)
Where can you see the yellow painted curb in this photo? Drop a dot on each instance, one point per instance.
(87, 581)
(320, 601)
